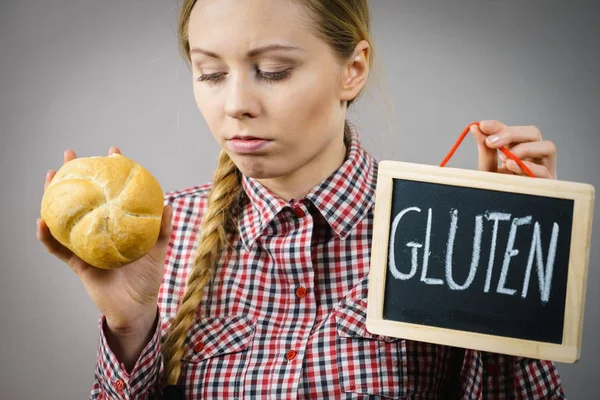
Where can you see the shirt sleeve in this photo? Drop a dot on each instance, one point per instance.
(111, 380)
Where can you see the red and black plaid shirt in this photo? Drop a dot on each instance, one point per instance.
(285, 316)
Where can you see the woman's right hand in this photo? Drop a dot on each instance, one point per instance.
(126, 296)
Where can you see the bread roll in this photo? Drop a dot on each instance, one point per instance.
(106, 210)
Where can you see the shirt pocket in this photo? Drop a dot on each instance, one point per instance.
(216, 355)
(368, 364)
(216, 336)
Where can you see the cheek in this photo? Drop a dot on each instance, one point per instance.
(311, 100)
(201, 102)
(208, 106)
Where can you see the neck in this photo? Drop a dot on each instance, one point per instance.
(299, 183)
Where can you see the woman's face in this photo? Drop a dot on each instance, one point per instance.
(272, 91)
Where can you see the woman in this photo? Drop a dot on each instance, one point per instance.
(260, 277)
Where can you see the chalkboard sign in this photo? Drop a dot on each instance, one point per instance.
(480, 260)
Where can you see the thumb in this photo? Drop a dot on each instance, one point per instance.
(166, 226)
(158, 253)
(489, 127)
(487, 158)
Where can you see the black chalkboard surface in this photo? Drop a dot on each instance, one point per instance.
(480, 260)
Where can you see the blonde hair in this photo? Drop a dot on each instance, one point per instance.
(342, 24)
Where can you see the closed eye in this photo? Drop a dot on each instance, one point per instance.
(271, 77)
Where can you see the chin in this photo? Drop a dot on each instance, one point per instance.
(258, 175)
(257, 169)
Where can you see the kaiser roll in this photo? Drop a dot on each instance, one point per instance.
(106, 210)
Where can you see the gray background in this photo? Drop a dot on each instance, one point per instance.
(86, 75)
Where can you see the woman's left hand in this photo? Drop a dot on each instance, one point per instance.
(525, 142)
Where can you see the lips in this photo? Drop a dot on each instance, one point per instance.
(247, 138)
(247, 144)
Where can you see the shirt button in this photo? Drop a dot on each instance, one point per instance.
(301, 292)
(199, 347)
(290, 355)
(119, 385)
(298, 212)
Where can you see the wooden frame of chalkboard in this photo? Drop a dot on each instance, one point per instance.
(531, 307)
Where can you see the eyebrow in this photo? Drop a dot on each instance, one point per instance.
(252, 53)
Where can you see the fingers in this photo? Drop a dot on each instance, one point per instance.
(510, 135)
(50, 243)
(54, 247)
(490, 127)
(478, 134)
(487, 157)
(541, 154)
(525, 142)
(114, 150)
(49, 175)
(71, 155)
(541, 149)
(68, 156)
(43, 233)
(539, 171)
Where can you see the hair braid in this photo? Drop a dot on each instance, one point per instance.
(218, 222)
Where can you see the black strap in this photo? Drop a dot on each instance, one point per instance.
(172, 392)
(455, 385)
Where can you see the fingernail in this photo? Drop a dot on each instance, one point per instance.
(493, 139)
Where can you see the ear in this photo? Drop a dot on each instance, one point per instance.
(356, 72)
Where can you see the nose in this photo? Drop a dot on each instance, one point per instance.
(241, 102)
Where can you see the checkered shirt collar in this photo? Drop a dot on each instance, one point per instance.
(342, 199)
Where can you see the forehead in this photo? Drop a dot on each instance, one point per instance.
(239, 25)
